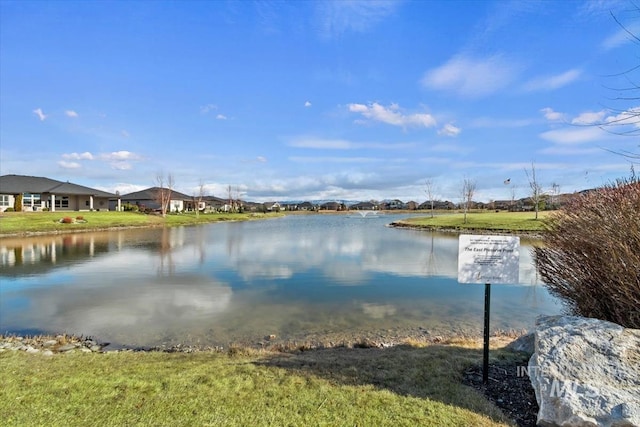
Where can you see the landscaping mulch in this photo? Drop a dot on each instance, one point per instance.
(509, 389)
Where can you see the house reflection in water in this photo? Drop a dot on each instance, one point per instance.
(40, 254)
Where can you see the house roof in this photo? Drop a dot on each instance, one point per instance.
(151, 194)
(15, 184)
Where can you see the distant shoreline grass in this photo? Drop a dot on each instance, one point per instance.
(502, 222)
(33, 223)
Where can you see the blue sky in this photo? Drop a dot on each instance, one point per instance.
(317, 100)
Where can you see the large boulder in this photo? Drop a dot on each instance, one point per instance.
(586, 372)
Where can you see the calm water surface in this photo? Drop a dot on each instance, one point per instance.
(297, 277)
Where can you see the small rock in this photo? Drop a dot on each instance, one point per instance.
(47, 353)
(32, 350)
(525, 344)
(49, 343)
(66, 347)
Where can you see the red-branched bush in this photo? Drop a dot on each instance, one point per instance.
(590, 257)
(67, 220)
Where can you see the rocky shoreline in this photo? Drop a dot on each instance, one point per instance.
(49, 345)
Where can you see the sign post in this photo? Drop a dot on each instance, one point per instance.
(488, 259)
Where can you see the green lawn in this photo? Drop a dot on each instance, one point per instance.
(46, 222)
(496, 221)
(398, 386)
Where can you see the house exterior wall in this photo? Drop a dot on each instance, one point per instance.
(6, 201)
(39, 202)
(176, 206)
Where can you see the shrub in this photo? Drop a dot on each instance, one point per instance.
(17, 203)
(67, 220)
(80, 218)
(590, 257)
(10, 210)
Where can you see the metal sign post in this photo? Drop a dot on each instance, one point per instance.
(485, 349)
(488, 259)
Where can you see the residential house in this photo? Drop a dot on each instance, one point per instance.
(39, 193)
(148, 200)
(364, 206)
(332, 206)
(437, 204)
(213, 204)
(393, 204)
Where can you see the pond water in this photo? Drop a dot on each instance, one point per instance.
(301, 277)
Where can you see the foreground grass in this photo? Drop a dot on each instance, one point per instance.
(337, 387)
(49, 222)
(496, 221)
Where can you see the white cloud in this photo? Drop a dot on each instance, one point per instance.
(302, 159)
(221, 117)
(41, 115)
(261, 159)
(589, 118)
(343, 144)
(553, 82)
(208, 108)
(69, 165)
(120, 156)
(71, 113)
(621, 37)
(488, 122)
(561, 150)
(338, 17)
(121, 165)
(552, 116)
(330, 144)
(307, 104)
(449, 130)
(470, 76)
(630, 117)
(574, 135)
(391, 115)
(125, 188)
(124, 133)
(78, 156)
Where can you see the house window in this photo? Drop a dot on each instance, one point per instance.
(62, 202)
(4, 200)
(29, 199)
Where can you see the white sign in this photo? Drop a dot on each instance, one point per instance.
(488, 259)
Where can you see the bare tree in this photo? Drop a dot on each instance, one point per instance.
(164, 187)
(230, 197)
(625, 119)
(428, 190)
(513, 196)
(239, 207)
(197, 200)
(555, 191)
(536, 188)
(468, 189)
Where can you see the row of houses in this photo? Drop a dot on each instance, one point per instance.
(38, 193)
